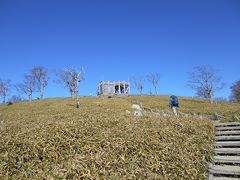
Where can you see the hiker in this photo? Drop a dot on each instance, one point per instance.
(78, 104)
(174, 104)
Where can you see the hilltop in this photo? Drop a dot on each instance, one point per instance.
(51, 138)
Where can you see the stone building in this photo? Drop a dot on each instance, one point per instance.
(113, 88)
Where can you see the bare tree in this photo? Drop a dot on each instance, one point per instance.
(235, 96)
(138, 83)
(78, 76)
(66, 79)
(4, 89)
(153, 78)
(15, 98)
(71, 78)
(41, 78)
(205, 81)
(28, 86)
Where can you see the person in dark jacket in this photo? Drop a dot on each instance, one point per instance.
(78, 104)
(174, 104)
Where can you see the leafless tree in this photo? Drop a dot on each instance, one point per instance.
(28, 86)
(235, 88)
(4, 89)
(41, 78)
(153, 78)
(71, 78)
(138, 83)
(205, 81)
(15, 98)
(78, 76)
(66, 79)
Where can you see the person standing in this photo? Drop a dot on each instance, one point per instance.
(78, 104)
(174, 104)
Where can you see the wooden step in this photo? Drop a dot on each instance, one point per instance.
(228, 143)
(227, 133)
(212, 177)
(228, 128)
(224, 169)
(229, 151)
(227, 159)
(226, 138)
(228, 124)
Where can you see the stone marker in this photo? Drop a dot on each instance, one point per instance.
(127, 112)
(235, 117)
(162, 113)
(194, 114)
(168, 112)
(216, 116)
(137, 106)
(137, 113)
(78, 104)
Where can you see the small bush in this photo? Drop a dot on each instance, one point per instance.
(9, 103)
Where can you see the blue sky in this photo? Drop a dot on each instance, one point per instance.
(118, 39)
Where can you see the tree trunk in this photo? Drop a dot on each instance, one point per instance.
(72, 90)
(72, 93)
(41, 93)
(211, 100)
(30, 96)
(211, 96)
(155, 88)
(77, 89)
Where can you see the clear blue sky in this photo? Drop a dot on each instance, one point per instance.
(118, 39)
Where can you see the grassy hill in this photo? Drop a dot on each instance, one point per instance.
(54, 140)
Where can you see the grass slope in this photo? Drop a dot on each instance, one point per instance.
(189, 104)
(52, 139)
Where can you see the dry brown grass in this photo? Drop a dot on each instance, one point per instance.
(189, 104)
(53, 139)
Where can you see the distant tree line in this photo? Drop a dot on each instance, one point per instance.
(235, 96)
(4, 89)
(153, 78)
(36, 80)
(204, 80)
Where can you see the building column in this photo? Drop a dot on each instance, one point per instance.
(128, 88)
(108, 89)
(119, 89)
(99, 89)
(124, 88)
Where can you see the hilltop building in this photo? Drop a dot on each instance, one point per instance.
(113, 88)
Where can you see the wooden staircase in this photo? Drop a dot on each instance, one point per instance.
(226, 162)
